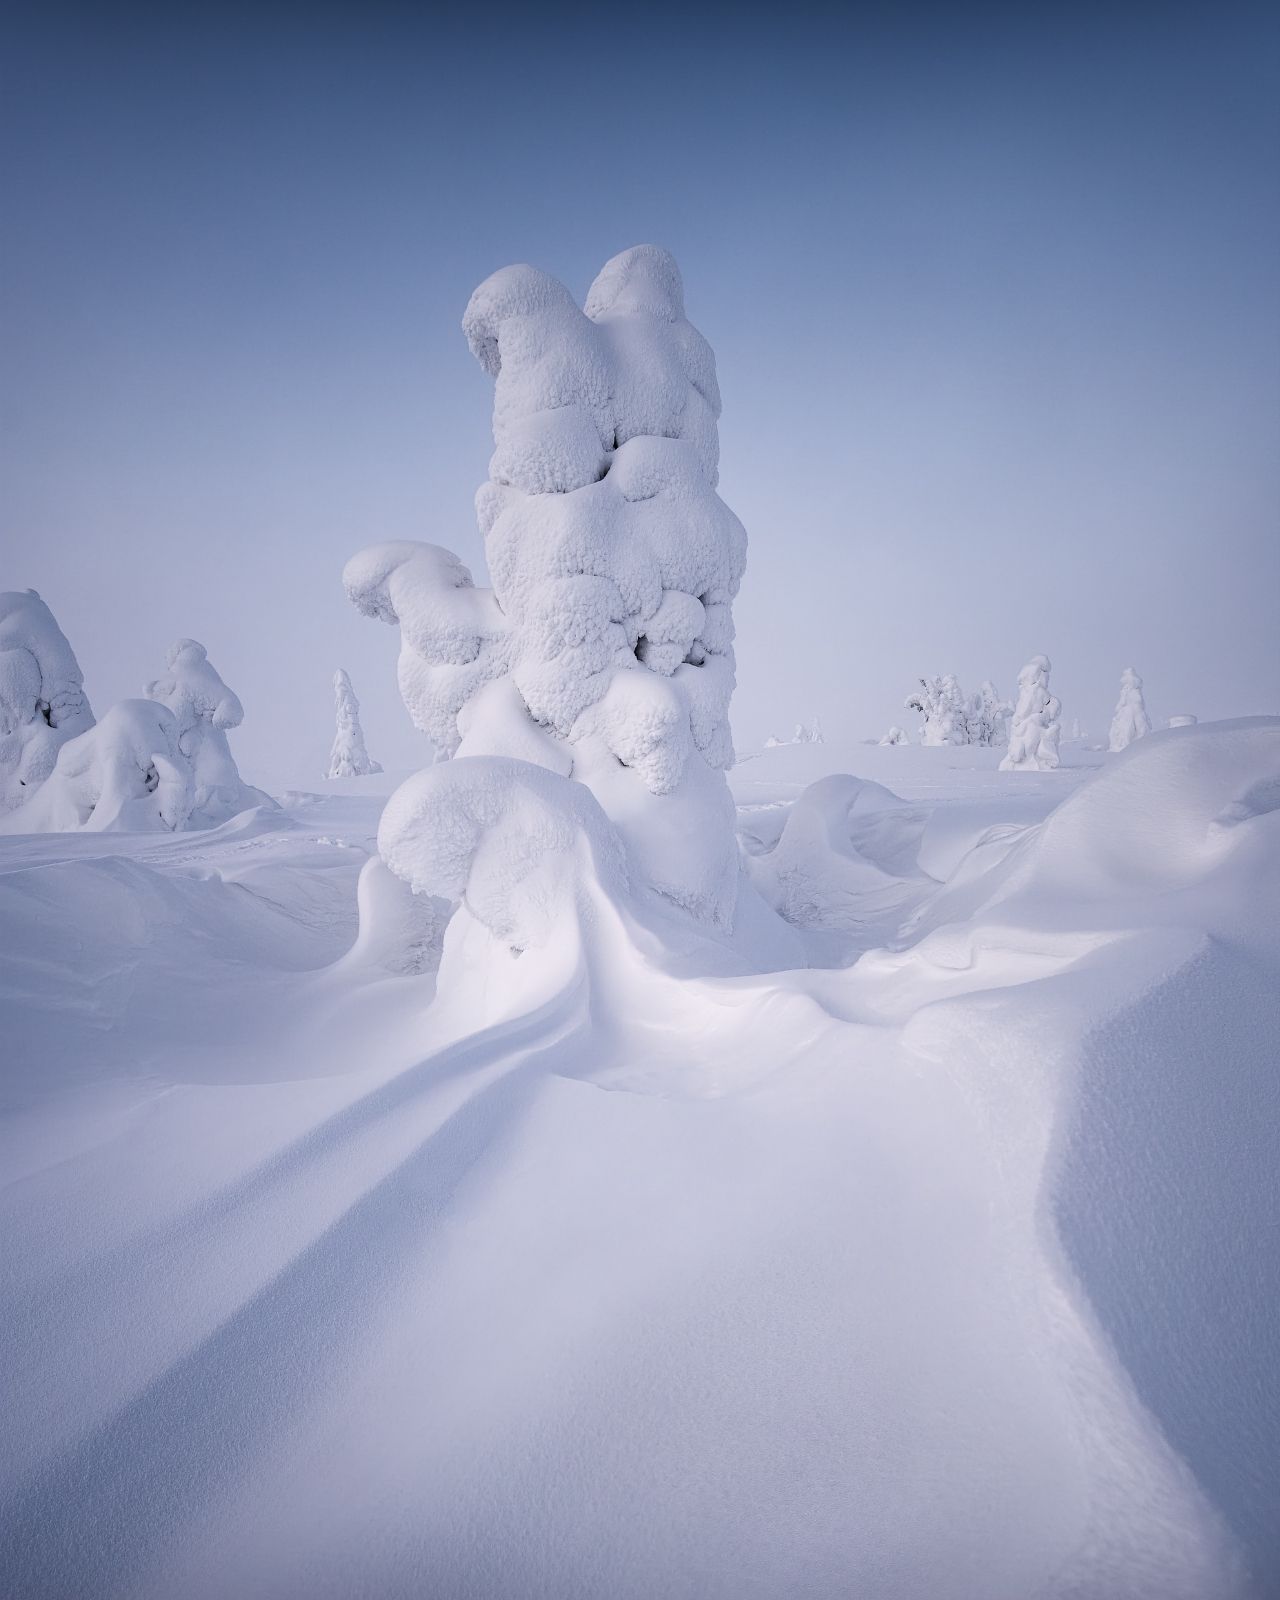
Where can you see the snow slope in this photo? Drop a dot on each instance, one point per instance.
(635, 1264)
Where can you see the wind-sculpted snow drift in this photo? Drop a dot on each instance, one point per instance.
(604, 650)
(42, 698)
(357, 1297)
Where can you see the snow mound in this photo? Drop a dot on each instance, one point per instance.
(127, 773)
(204, 708)
(509, 840)
(42, 698)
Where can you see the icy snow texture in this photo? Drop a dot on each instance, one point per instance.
(42, 698)
(125, 774)
(1130, 721)
(348, 758)
(1036, 728)
(203, 709)
(606, 642)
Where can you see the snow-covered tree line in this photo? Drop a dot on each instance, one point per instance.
(160, 762)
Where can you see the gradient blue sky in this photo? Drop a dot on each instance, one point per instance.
(995, 295)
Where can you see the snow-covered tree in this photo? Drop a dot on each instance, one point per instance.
(1130, 721)
(988, 717)
(42, 698)
(941, 703)
(348, 758)
(203, 709)
(605, 646)
(895, 735)
(805, 734)
(1184, 721)
(1036, 727)
(124, 774)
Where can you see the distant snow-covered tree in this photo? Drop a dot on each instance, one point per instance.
(42, 698)
(805, 734)
(204, 708)
(895, 735)
(1036, 728)
(1130, 721)
(988, 717)
(940, 701)
(348, 758)
(1184, 721)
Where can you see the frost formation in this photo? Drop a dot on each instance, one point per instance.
(42, 698)
(1036, 727)
(604, 649)
(348, 758)
(1130, 721)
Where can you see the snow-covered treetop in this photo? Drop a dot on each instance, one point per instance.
(193, 690)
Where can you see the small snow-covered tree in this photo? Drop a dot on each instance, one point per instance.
(988, 717)
(895, 735)
(941, 703)
(42, 698)
(203, 709)
(1183, 721)
(1130, 721)
(604, 648)
(1035, 729)
(805, 734)
(348, 758)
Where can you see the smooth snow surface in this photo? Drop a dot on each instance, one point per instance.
(913, 1236)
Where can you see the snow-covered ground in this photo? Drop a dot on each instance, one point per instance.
(939, 1259)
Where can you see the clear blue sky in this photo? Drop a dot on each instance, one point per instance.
(995, 295)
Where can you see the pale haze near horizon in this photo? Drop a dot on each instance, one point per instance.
(994, 302)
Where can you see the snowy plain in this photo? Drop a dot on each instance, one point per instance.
(938, 1259)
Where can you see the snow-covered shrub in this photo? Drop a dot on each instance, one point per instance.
(203, 709)
(1036, 728)
(1130, 721)
(348, 758)
(941, 703)
(605, 646)
(127, 773)
(895, 735)
(1184, 721)
(987, 717)
(42, 698)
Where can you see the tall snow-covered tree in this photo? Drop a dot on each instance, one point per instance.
(348, 758)
(1036, 727)
(1130, 721)
(604, 648)
(42, 700)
